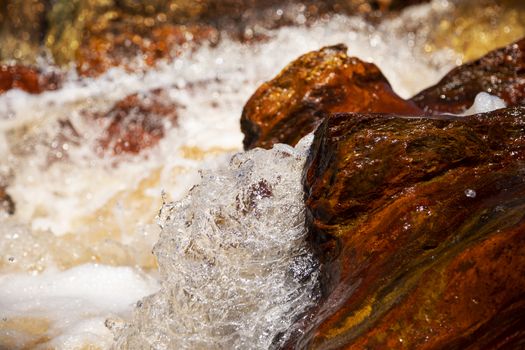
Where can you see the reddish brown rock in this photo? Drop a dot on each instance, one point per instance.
(137, 122)
(318, 83)
(419, 224)
(26, 78)
(500, 72)
(73, 28)
(118, 45)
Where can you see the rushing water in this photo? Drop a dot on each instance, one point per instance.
(234, 269)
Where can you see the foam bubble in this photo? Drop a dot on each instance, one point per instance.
(484, 103)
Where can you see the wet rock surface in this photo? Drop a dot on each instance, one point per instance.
(136, 122)
(500, 72)
(419, 225)
(327, 81)
(291, 105)
(77, 31)
(27, 79)
(121, 46)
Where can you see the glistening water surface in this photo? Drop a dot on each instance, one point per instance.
(234, 269)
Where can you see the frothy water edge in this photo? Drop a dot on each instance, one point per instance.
(68, 197)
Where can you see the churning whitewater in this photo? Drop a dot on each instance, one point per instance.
(235, 270)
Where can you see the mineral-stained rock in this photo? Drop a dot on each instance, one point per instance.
(136, 122)
(420, 227)
(116, 47)
(99, 34)
(318, 83)
(26, 78)
(500, 72)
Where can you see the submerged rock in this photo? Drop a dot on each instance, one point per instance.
(500, 73)
(419, 224)
(26, 78)
(119, 46)
(291, 105)
(136, 122)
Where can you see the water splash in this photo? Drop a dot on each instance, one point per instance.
(233, 258)
(73, 207)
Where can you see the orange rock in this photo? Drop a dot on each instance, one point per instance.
(135, 123)
(119, 45)
(500, 72)
(420, 229)
(318, 83)
(26, 78)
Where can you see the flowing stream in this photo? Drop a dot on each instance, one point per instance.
(235, 272)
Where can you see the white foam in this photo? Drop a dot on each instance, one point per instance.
(82, 194)
(210, 86)
(236, 269)
(76, 301)
(484, 103)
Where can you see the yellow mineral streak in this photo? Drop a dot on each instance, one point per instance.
(352, 321)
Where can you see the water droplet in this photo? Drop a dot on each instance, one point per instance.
(470, 193)
(500, 208)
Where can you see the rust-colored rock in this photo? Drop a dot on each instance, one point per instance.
(500, 72)
(120, 46)
(419, 224)
(76, 26)
(26, 78)
(136, 122)
(291, 105)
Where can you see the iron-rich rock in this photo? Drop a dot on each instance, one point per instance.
(27, 78)
(136, 122)
(291, 105)
(120, 46)
(500, 72)
(419, 224)
(97, 35)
